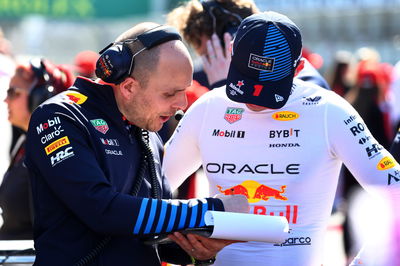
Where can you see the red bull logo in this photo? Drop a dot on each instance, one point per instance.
(288, 211)
(76, 97)
(255, 191)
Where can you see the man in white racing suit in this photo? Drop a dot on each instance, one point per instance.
(279, 141)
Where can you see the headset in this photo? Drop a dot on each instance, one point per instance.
(116, 61)
(227, 20)
(42, 89)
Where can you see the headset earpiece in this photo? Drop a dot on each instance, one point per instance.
(116, 61)
(41, 89)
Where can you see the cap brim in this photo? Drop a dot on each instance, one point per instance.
(271, 94)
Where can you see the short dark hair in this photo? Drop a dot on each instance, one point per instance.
(193, 21)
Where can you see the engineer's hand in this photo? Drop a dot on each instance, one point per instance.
(216, 62)
(199, 247)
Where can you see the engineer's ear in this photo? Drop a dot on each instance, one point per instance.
(129, 87)
(299, 67)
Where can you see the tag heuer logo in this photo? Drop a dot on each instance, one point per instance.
(100, 125)
(233, 114)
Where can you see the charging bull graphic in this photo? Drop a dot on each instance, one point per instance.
(254, 191)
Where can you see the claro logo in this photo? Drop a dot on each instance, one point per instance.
(285, 116)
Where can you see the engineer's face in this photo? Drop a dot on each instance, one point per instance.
(163, 94)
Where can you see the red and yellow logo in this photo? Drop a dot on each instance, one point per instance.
(285, 116)
(386, 163)
(55, 145)
(255, 191)
(76, 97)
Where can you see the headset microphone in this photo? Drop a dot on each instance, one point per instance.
(178, 115)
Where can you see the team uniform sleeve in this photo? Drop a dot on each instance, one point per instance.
(71, 171)
(351, 141)
(182, 154)
(372, 165)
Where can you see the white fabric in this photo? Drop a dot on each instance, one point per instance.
(287, 168)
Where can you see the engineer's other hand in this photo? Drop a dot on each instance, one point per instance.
(199, 247)
(217, 60)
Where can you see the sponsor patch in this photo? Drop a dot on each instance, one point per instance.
(296, 241)
(386, 163)
(278, 98)
(61, 156)
(284, 133)
(76, 97)
(311, 100)
(100, 125)
(49, 123)
(373, 150)
(285, 116)
(291, 212)
(228, 133)
(261, 63)
(393, 177)
(113, 152)
(233, 115)
(236, 89)
(255, 191)
(110, 142)
(47, 137)
(349, 120)
(284, 145)
(55, 145)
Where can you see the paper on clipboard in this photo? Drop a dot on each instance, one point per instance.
(247, 227)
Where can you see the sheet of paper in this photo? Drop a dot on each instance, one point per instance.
(247, 227)
(15, 244)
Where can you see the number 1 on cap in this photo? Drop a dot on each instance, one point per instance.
(257, 90)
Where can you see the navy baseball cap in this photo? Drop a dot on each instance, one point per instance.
(265, 53)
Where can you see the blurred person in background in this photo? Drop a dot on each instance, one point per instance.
(7, 68)
(395, 93)
(85, 63)
(338, 77)
(31, 84)
(369, 95)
